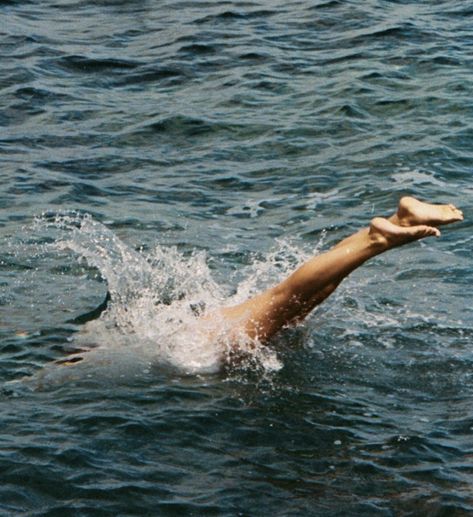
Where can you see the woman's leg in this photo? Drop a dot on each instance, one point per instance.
(290, 301)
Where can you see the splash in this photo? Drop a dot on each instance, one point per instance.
(158, 299)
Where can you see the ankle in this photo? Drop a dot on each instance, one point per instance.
(378, 240)
(403, 216)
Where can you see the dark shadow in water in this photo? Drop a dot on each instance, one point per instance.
(93, 314)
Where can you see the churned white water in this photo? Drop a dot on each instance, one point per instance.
(158, 298)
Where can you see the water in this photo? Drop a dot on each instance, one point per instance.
(188, 154)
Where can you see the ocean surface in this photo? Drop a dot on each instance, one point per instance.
(184, 155)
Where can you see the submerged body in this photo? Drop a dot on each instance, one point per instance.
(230, 330)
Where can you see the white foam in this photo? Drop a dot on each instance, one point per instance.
(158, 298)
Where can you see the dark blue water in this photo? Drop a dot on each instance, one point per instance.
(213, 146)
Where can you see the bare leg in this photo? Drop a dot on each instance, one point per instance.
(265, 314)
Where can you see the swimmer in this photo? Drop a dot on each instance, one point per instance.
(289, 302)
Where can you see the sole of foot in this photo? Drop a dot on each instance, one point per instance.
(413, 212)
(387, 234)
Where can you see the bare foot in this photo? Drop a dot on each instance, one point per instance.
(386, 234)
(413, 212)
